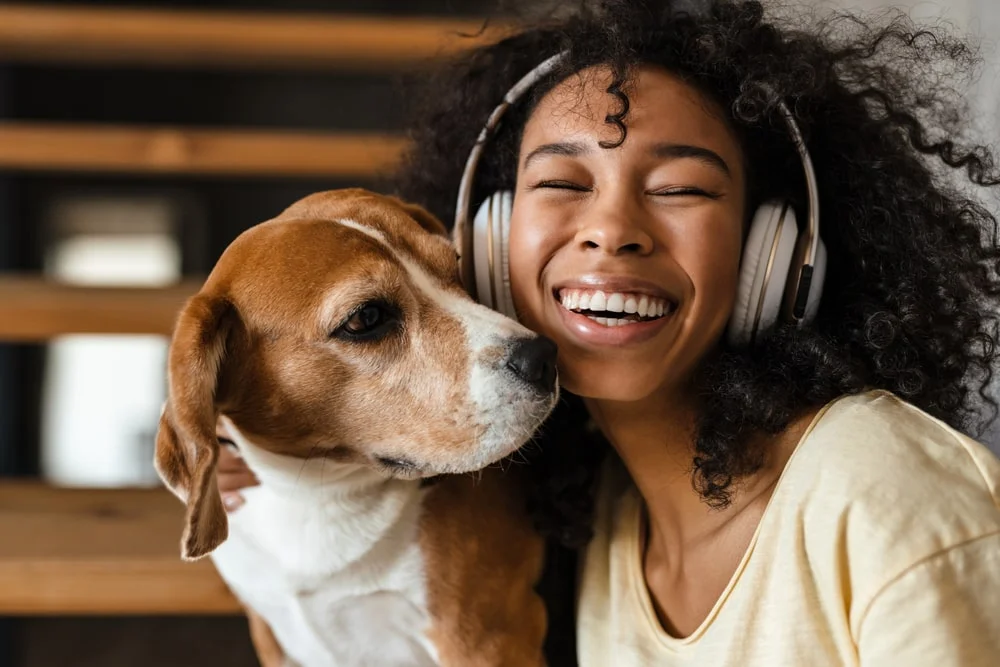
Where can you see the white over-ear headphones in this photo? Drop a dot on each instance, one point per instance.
(781, 271)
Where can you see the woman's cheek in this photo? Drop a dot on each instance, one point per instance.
(523, 253)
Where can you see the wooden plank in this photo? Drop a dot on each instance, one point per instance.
(74, 551)
(130, 149)
(228, 39)
(32, 309)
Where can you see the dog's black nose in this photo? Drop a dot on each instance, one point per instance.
(534, 361)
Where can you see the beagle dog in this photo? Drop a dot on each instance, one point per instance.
(336, 347)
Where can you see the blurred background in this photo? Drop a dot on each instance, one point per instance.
(137, 139)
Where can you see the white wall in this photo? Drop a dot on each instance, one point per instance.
(979, 19)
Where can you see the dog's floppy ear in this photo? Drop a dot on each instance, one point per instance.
(424, 218)
(187, 449)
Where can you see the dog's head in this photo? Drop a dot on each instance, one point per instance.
(340, 330)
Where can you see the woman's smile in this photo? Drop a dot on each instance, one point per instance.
(614, 310)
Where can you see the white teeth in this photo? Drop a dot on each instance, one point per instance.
(611, 321)
(616, 303)
(597, 301)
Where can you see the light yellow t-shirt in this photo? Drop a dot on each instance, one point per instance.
(880, 546)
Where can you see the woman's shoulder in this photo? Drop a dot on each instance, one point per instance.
(889, 484)
(875, 440)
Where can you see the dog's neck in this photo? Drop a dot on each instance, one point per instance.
(310, 479)
(335, 511)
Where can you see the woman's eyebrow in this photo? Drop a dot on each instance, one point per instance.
(570, 148)
(670, 151)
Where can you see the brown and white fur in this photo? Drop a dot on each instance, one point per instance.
(342, 555)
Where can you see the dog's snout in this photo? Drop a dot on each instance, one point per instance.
(534, 361)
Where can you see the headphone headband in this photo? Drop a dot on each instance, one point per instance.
(522, 86)
(805, 256)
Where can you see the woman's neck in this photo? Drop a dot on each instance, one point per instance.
(655, 439)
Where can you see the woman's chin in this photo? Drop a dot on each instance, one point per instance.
(612, 384)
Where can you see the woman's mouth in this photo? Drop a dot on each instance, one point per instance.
(615, 309)
(606, 318)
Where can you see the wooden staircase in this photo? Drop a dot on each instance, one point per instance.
(68, 551)
(76, 552)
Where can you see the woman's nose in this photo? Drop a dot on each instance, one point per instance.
(615, 227)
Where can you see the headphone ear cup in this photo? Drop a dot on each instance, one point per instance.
(481, 247)
(503, 205)
(767, 258)
(489, 252)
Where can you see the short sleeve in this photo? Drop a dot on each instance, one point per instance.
(942, 612)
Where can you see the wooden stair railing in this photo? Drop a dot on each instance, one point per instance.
(234, 39)
(35, 310)
(108, 552)
(242, 152)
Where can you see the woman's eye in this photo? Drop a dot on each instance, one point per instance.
(685, 191)
(373, 320)
(560, 185)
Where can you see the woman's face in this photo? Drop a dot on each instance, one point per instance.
(627, 257)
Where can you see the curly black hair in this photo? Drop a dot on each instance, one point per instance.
(910, 299)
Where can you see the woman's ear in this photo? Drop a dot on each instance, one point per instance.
(187, 449)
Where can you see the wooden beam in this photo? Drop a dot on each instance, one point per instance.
(70, 551)
(228, 39)
(129, 149)
(32, 309)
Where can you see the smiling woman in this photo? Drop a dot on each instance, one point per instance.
(753, 459)
(783, 402)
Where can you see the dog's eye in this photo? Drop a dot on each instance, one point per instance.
(372, 321)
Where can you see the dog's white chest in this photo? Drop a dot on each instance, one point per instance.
(340, 584)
